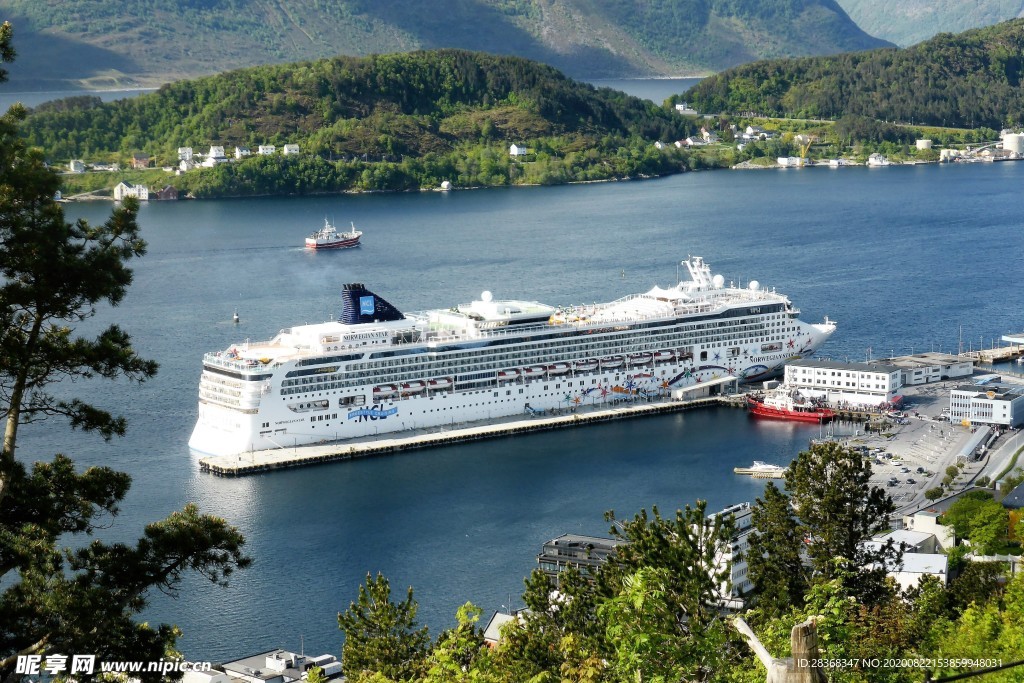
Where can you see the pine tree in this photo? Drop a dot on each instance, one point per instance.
(53, 274)
(382, 636)
(773, 555)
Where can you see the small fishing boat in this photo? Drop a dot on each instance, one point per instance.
(328, 237)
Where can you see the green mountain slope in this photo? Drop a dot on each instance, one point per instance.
(967, 80)
(399, 121)
(118, 42)
(911, 21)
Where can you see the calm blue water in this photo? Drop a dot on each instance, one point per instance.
(900, 257)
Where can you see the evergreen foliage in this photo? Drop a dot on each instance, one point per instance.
(382, 636)
(400, 121)
(53, 275)
(971, 79)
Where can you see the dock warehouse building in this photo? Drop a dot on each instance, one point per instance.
(858, 384)
(993, 404)
(924, 368)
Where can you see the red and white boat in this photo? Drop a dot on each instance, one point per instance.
(585, 365)
(507, 375)
(558, 368)
(612, 361)
(783, 405)
(664, 356)
(439, 383)
(640, 358)
(328, 237)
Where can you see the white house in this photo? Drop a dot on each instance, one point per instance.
(123, 190)
(517, 150)
(184, 154)
(186, 165)
(290, 149)
(856, 384)
(241, 152)
(917, 561)
(76, 166)
(266, 150)
(216, 156)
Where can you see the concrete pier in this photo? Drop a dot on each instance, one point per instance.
(256, 462)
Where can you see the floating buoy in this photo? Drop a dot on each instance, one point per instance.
(234, 317)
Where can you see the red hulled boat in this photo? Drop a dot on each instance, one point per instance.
(784, 406)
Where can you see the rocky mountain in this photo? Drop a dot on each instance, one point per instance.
(911, 21)
(119, 43)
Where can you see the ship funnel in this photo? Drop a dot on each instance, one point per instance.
(360, 305)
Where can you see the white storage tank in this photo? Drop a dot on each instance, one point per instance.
(924, 144)
(1013, 142)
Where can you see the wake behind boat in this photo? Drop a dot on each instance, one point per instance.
(328, 237)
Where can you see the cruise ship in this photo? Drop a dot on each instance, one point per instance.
(377, 370)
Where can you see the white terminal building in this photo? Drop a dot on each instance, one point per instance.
(992, 404)
(857, 384)
(735, 554)
(925, 368)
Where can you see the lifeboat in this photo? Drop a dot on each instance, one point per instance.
(685, 355)
(558, 368)
(585, 365)
(440, 383)
(640, 358)
(612, 361)
(384, 391)
(507, 375)
(535, 371)
(413, 387)
(664, 356)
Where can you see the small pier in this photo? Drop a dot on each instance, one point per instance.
(256, 462)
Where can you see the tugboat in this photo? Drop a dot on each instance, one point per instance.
(328, 237)
(785, 405)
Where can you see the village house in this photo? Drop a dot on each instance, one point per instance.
(168, 193)
(123, 190)
(242, 152)
(216, 156)
(185, 154)
(76, 166)
(515, 150)
(290, 149)
(140, 160)
(266, 150)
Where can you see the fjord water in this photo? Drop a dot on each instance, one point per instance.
(901, 257)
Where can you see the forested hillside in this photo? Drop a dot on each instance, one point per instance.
(968, 80)
(117, 42)
(397, 121)
(911, 21)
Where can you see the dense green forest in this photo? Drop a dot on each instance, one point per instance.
(972, 79)
(400, 121)
(115, 43)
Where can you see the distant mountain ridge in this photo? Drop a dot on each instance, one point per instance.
(123, 43)
(910, 21)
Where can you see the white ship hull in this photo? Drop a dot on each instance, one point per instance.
(488, 360)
